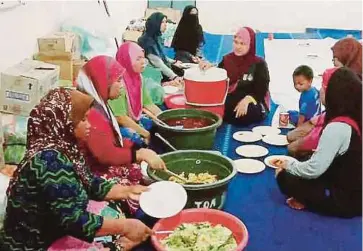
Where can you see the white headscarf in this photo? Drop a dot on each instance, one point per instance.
(85, 85)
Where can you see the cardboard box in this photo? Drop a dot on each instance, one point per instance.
(172, 14)
(63, 59)
(77, 65)
(131, 35)
(23, 85)
(61, 42)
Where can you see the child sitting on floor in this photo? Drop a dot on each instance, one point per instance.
(309, 103)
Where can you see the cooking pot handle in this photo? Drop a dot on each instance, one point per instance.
(166, 141)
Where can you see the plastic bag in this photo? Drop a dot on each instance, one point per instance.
(15, 132)
(4, 183)
(13, 154)
(169, 34)
(152, 81)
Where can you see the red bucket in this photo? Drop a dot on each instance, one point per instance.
(212, 216)
(205, 88)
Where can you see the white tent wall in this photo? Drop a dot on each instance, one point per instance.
(223, 17)
(93, 16)
(21, 26)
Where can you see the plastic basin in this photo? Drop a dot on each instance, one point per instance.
(198, 138)
(212, 216)
(194, 161)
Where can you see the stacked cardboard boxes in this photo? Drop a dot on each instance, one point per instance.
(24, 84)
(60, 48)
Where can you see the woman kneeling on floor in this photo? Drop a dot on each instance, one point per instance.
(330, 182)
(48, 196)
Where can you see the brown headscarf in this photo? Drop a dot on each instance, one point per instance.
(81, 103)
(349, 52)
(51, 126)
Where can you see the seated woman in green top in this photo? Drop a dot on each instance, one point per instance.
(134, 97)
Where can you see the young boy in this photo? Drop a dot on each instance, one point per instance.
(309, 103)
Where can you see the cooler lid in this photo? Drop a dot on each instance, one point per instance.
(211, 75)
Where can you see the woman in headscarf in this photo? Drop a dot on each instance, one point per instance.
(151, 42)
(330, 182)
(50, 190)
(107, 153)
(348, 52)
(304, 140)
(248, 80)
(134, 97)
(188, 38)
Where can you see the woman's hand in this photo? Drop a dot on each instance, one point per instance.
(150, 157)
(178, 63)
(196, 60)
(135, 230)
(281, 165)
(204, 65)
(121, 192)
(134, 192)
(242, 107)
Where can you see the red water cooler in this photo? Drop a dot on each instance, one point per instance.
(204, 90)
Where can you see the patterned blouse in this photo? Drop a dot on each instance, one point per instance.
(49, 202)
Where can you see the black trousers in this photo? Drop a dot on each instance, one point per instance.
(176, 70)
(316, 196)
(255, 113)
(183, 56)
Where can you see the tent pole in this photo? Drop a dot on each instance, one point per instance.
(109, 15)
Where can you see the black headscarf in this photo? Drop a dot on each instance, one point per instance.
(151, 40)
(189, 34)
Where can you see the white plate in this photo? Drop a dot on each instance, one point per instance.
(169, 89)
(247, 136)
(164, 199)
(276, 140)
(266, 130)
(281, 157)
(249, 166)
(251, 151)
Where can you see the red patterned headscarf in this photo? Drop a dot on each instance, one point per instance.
(50, 126)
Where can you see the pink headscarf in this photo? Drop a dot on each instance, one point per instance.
(244, 35)
(326, 77)
(127, 55)
(236, 65)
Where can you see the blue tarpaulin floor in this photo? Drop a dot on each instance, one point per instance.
(256, 199)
